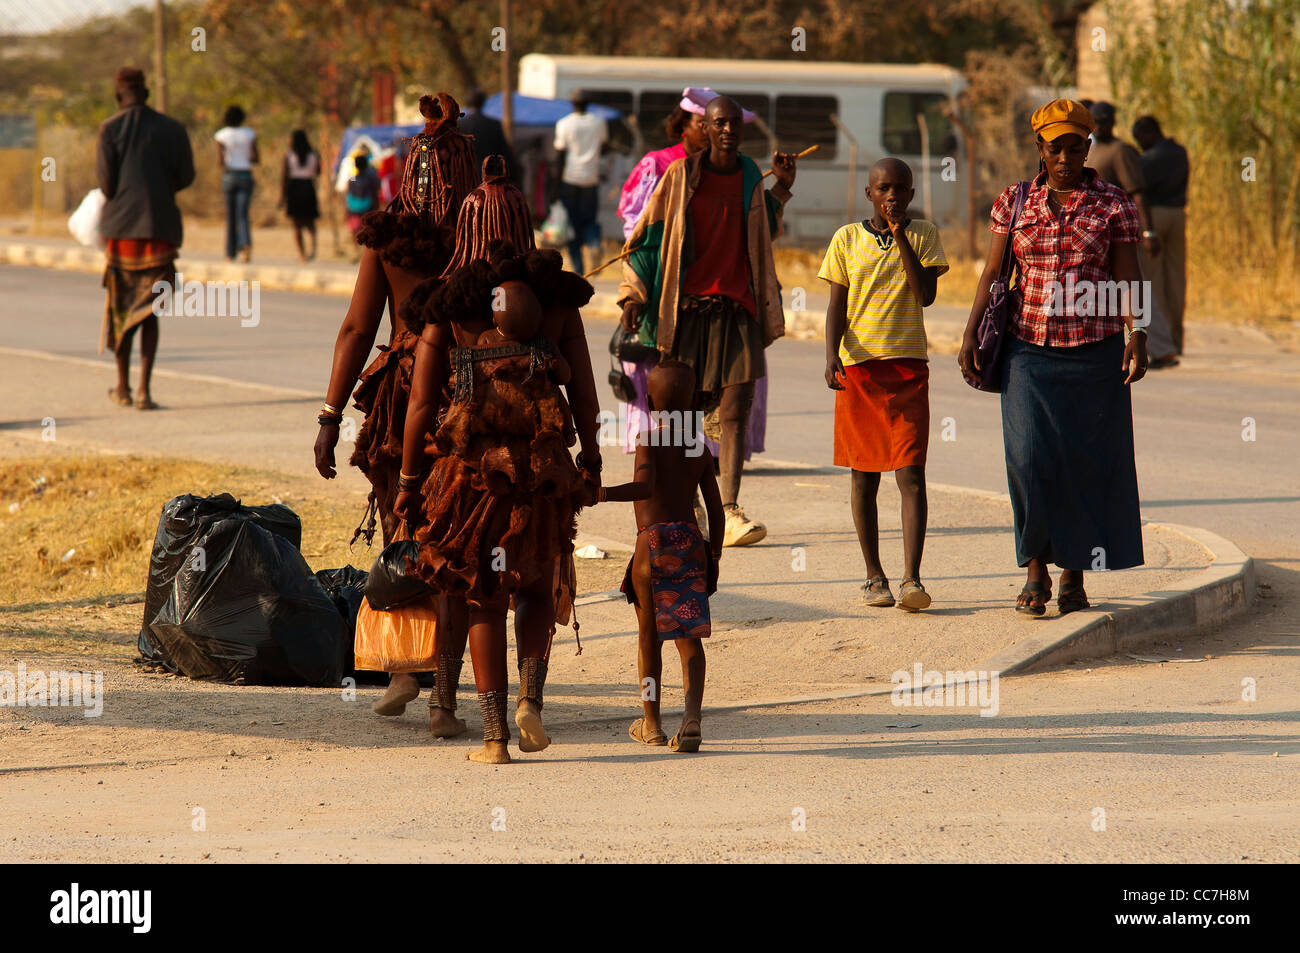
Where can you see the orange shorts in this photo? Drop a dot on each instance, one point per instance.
(882, 417)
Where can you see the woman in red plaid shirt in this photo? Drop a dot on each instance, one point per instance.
(1067, 416)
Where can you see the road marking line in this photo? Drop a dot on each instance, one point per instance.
(164, 372)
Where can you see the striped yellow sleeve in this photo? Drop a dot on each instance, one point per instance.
(930, 254)
(833, 266)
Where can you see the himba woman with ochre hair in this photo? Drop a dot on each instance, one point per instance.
(406, 244)
(498, 339)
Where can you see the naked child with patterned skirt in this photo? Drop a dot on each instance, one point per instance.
(673, 571)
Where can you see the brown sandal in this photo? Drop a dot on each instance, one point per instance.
(118, 398)
(637, 732)
(685, 743)
(876, 593)
(145, 403)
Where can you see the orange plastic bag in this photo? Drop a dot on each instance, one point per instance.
(403, 640)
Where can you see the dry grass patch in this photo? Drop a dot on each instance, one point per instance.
(76, 533)
(82, 527)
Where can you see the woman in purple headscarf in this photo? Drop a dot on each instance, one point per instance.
(686, 124)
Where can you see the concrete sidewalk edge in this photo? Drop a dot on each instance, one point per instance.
(1222, 590)
(269, 277)
(287, 277)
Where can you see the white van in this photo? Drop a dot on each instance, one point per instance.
(798, 104)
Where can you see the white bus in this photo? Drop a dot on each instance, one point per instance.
(799, 104)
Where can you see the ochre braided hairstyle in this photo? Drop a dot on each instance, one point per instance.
(439, 170)
(415, 230)
(495, 211)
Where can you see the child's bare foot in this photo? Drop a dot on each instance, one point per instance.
(444, 723)
(402, 688)
(647, 734)
(528, 717)
(687, 740)
(145, 402)
(492, 752)
(119, 396)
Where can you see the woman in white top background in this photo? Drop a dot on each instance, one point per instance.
(298, 190)
(237, 144)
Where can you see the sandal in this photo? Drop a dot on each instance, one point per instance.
(876, 593)
(685, 743)
(637, 732)
(146, 403)
(122, 400)
(1034, 590)
(912, 596)
(1072, 599)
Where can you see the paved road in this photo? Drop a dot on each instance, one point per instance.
(1194, 467)
(1183, 765)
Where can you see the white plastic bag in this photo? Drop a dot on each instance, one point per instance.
(84, 222)
(557, 230)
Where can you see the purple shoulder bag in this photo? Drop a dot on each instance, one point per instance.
(1004, 301)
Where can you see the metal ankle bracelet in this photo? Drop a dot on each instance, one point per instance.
(446, 678)
(532, 678)
(493, 706)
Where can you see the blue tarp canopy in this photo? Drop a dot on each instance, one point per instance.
(381, 135)
(531, 111)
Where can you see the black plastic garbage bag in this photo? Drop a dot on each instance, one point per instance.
(245, 607)
(347, 587)
(390, 584)
(183, 523)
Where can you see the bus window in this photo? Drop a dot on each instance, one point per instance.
(803, 121)
(901, 134)
(620, 136)
(655, 107)
(754, 143)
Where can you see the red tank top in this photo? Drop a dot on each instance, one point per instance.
(718, 221)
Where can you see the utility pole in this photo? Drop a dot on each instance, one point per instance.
(159, 63)
(507, 105)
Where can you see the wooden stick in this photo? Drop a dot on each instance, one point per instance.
(600, 268)
(809, 151)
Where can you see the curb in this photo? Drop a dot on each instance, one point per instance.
(1222, 590)
(803, 325)
(269, 277)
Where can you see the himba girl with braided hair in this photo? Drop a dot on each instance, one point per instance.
(498, 340)
(406, 244)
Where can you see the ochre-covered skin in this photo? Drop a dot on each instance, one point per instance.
(502, 492)
(500, 501)
(406, 244)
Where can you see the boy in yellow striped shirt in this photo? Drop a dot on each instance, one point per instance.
(881, 273)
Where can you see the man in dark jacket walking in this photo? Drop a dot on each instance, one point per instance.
(143, 159)
(489, 137)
